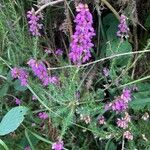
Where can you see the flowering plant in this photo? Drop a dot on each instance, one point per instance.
(81, 87)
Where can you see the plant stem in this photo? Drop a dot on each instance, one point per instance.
(111, 8)
(48, 4)
(100, 60)
(138, 80)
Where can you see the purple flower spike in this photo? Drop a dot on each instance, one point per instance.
(21, 74)
(82, 38)
(34, 25)
(58, 145)
(40, 70)
(123, 28)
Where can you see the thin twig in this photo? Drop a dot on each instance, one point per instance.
(48, 4)
(135, 81)
(1, 76)
(122, 144)
(100, 60)
(111, 8)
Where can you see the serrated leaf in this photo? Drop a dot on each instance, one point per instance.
(12, 120)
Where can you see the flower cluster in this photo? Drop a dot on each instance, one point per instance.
(40, 71)
(81, 40)
(86, 119)
(43, 115)
(101, 120)
(21, 74)
(34, 25)
(120, 104)
(58, 145)
(123, 122)
(123, 28)
(128, 135)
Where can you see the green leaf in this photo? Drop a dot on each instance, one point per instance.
(18, 87)
(139, 103)
(4, 90)
(9, 77)
(110, 146)
(111, 26)
(117, 47)
(12, 120)
(29, 140)
(141, 99)
(109, 20)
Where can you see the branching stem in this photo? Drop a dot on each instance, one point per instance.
(48, 4)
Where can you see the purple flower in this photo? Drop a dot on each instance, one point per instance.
(123, 28)
(106, 72)
(108, 106)
(43, 115)
(53, 79)
(101, 120)
(59, 52)
(27, 148)
(58, 145)
(81, 40)
(22, 75)
(119, 105)
(122, 123)
(48, 51)
(34, 25)
(40, 70)
(128, 135)
(34, 98)
(126, 95)
(17, 101)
